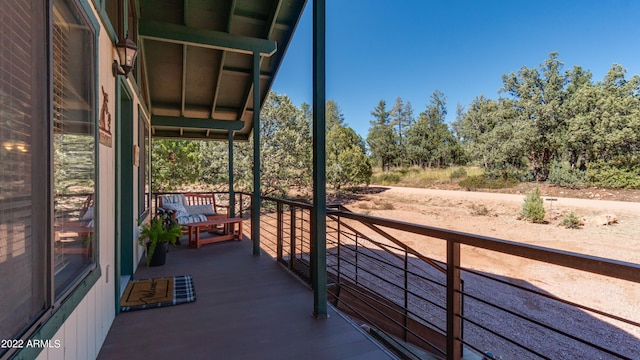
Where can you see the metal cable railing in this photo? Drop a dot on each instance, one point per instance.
(393, 285)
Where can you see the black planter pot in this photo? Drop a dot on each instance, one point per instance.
(159, 255)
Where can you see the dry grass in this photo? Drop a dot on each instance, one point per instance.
(418, 177)
(480, 210)
(376, 204)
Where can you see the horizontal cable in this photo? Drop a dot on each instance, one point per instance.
(583, 307)
(536, 322)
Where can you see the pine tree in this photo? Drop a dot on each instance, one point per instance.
(381, 138)
(402, 119)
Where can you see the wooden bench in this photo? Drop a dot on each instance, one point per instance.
(229, 232)
(191, 199)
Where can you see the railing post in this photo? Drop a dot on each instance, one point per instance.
(155, 204)
(356, 259)
(241, 204)
(338, 252)
(292, 236)
(406, 293)
(454, 320)
(279, 230)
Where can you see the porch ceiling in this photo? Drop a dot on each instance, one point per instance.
(197, 57)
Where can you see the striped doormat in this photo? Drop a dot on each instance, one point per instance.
(154, 293)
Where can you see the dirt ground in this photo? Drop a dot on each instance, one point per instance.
(496, 215)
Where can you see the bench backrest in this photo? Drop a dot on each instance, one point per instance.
(200, 199)
(190, 199)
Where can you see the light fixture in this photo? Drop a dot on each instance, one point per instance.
(127, 52)
(17, 145)
(172, 156)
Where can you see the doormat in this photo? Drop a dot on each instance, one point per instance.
(154, 293)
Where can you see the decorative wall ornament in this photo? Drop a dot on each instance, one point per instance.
(105, 120)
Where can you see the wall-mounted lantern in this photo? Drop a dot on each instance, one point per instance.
(127, 53)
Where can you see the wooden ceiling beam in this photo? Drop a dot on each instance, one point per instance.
(195, 123)
(179, 34)
(273, 17)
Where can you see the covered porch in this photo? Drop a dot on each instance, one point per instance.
(247, 307)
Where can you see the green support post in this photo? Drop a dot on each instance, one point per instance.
(319, 211)
(232, 193)
(257, 201)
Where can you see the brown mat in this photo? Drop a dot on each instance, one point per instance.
(151, 293)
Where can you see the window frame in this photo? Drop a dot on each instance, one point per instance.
(85, 10)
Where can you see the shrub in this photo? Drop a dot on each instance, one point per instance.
(479, 210)
(510, 173)
(571, 221)
(533, 208)
(482, 182)
(562, 174)
(378, 204)
(383, 205)
(364, 205)
(386, 178)
(611, 176)
(458, 173)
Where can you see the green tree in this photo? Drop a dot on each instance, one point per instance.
(578, 124)
(402, 119)
(381, 139)
(285, 149)
(347, 162)
(430, 142)
(334, 116)
(214, 157)
(538, 96)
(490, 134)
(185, 170)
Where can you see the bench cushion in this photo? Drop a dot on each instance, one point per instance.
(174, 198)
(88, 215)
(179, 208)
(188, 219)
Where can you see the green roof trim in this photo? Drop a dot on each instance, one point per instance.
(195, 123)
(161, 31)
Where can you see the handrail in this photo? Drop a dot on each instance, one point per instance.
(593, 264)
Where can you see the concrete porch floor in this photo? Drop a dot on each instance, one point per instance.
(247, 307)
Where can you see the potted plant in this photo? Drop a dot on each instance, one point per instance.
(157, 235)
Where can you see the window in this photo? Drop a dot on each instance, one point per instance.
(74, 144)
(47, 152)
(23, 178)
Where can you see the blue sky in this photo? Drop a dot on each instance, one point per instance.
(384, 49)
